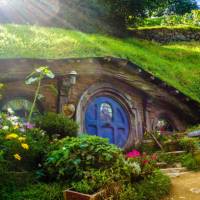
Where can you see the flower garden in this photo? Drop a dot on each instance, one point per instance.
(42, 156)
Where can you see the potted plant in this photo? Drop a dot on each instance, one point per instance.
(89, 190)
(73, 195)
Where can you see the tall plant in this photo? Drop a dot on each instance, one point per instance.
(36, 77)
(1, 86)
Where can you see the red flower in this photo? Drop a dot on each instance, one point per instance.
(145, 161)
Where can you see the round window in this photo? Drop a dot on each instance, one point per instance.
(20, 106)
(164, 125)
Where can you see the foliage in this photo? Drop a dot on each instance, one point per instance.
(145, 189)
(191, 19)
(12, 181)
(1, 86)
(146, 162)
(189, 144)
(22, 146)
(92, 181)
(73, 156)
(190, 162)
(57, 124)
(36, 77)
(181, 7)
(40, 191)
(172, 63)
(173, 142)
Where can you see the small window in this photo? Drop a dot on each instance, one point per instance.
(106, 112)
(164, 125)
(20, 106)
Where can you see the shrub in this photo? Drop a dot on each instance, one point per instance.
(189, 144)
(92, 181)
(39, 191)
(128, 193)
(72, 156)
(57, 124)
(172, 20)
(153, 187)
(27, 148)
(146, 162)
(13, 181)
(190, 162)
(39, 147)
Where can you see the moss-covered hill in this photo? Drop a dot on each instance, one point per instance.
(178, 64)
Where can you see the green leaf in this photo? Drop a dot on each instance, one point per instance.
(31, 80)
(49, 74)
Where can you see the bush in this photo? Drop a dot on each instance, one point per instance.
(13, 181)
(92, 181)
(39, 191)
(154, 187)
(192, 18)
(146, 162)
(73, 156)
(190, 162)
(28, 149)
(57, 124)
(189, 144)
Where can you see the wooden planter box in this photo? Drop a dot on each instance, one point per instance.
(72, 195)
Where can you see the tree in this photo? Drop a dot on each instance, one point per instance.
(181, 7)
(109, 16)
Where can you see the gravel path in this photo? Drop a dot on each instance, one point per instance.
(185, 187)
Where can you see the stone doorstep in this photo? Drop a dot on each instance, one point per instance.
(174, 170)
(161, 164)
(174, 175)
(174, 152)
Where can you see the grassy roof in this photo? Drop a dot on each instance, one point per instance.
(178, 63)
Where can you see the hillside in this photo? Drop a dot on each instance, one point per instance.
(178, 63)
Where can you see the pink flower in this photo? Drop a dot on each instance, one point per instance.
(133, 154)
(29, 125)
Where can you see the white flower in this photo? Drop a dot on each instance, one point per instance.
(22, 130)
(5, 128)
(10, 111)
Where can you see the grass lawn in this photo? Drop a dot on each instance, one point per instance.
(177, 27)
(178, 64)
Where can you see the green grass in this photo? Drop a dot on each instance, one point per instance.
(177, 27)
(178, 64)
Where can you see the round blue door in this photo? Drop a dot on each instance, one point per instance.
(106, 118)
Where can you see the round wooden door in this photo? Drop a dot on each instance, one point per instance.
(106, 118)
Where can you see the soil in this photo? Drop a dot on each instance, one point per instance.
(185, 187)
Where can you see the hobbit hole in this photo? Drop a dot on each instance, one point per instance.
(112, 98)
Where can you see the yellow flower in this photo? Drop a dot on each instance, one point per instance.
(11, 136)
(25, 146)
(21, 139)
(16, 127)
(17, 156)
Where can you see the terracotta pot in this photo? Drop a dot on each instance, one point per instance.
(72, 195)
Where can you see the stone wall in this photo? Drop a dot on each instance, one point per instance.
(166, 35)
